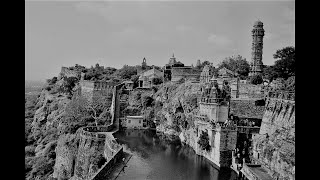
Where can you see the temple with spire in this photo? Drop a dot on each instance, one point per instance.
(176, 70)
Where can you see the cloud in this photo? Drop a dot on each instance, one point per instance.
(219, 40)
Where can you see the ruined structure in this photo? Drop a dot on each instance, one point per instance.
(67, 72)
(213, 119)
(146, 78)
(257, 45)
(175, 71)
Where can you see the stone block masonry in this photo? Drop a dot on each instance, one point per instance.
(274, 146)
(95, 143)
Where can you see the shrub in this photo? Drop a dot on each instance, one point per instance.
(204, 141)
(53, 80)
(157, 81)
(256, 79)
(182, 80)
(147, 101)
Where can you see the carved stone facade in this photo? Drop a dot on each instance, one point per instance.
(257, 46)
(213, 119)
(206, 74)
(175, 71)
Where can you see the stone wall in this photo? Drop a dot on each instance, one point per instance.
(94, 142)
(246, 108)
(66, 72)
(105, 170)
(250, 91)
(186, 73)
(274, 146)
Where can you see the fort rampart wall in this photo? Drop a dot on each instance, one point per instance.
(66, 72)
(96, 143)
(274, 146)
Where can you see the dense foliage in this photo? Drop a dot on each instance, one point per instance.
(236, 64)
(204, 141)
(284, 66)
(126, 72)
(256, 79)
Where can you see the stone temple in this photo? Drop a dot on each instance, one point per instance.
(257, 45)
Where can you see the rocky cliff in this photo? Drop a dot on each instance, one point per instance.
(275, 144)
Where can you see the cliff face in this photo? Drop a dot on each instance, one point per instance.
(176, 105)
(177, 117)
(67, 148)
(275, 144)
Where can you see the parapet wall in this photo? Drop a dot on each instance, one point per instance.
(187, 73)
(246, 108)
(95, 89)
(250, 91)
(66, 72)
(279, 113)
(274, 146)
(96, 144)
(285, 95)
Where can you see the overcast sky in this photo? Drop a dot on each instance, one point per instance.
(117, 33)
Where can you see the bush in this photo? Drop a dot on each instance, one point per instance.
(29, 150)
(182, 80)
(157, 81)
(256, 79)
(146, 101)
(53, 80)
(204, 141)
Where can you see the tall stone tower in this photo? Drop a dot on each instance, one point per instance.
(257, 45)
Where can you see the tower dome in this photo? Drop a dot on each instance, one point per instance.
(258, 23)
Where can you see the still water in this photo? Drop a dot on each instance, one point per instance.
(157, 158)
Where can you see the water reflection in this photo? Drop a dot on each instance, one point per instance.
(155, 157)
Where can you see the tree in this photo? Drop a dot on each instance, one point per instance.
(79, 108)
(126, 72)
(285, 63)
(204, 141)
(236, 64)
(135, 80)
(256, 79)
(269, 73)
(146, 101)
(68, 84)
(156, 81)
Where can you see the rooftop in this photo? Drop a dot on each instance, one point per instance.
(246, 108)
(257, 171)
